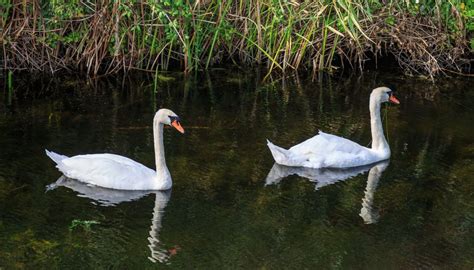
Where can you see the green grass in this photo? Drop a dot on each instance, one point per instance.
(283, 35)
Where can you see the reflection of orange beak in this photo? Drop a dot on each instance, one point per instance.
(393, 99)
(177, 126)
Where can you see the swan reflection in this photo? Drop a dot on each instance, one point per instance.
(328, 176)
(367, 212)
(113, 197)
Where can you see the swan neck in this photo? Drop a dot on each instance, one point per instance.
(378, 139)
(159, 147)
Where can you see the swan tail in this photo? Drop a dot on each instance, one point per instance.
(280, 155)
(55, 157)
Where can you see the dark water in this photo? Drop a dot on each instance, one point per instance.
(417, 211)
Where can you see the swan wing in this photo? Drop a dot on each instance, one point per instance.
(330, 151)
(324, 151)
(108, 170)
(323, 142)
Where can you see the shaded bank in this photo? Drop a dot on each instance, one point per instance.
(111, 36)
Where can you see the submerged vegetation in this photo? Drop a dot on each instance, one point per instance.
(99, 37)
(85, 224)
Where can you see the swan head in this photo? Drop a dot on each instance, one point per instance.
(168, 117)
(383, 94)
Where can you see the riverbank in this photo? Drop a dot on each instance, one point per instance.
(115, 36)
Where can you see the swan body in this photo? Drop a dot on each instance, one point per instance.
(118, 172)
(330, 151)
(112, 171)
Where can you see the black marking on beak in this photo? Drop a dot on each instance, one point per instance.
(174, 118)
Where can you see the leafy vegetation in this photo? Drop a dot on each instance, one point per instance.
(84, 224)
(425, 36)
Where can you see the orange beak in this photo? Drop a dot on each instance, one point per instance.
(393, 99)
(177, 126)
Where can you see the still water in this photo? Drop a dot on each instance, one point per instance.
(230, 206)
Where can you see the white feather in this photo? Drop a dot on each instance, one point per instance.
(118, 172)
(330, 151)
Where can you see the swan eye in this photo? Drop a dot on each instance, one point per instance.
(173, 118)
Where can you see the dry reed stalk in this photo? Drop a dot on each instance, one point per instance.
(112, 36)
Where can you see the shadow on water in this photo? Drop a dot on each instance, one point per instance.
(221, 215)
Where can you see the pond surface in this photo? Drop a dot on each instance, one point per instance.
(230, 207)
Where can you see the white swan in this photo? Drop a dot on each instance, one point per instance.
(118, 172)
(330, 151)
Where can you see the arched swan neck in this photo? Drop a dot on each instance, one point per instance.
(378, 139)
(159, 147)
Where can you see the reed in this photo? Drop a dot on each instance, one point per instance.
(108, 36)
(10, 81)
(9, 87)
